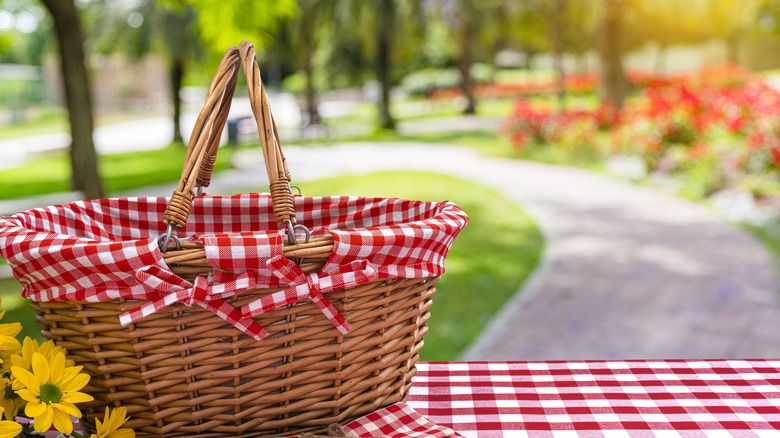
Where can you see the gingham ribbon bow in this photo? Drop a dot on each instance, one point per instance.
(311, 286)
(165, 288)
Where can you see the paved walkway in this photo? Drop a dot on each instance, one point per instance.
(627, 272)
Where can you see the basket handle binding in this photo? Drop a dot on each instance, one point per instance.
(204, 142)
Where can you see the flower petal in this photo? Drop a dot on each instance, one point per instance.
(57, 368)
(69, 408)
(119, 417)
(10, 428)
(123, 433)
(26, 378)
(40, 368)
(69, 373)
(62, 422)
(11, 328)
(34, 409)
(43, 421)
(77, 397)
(8, 342)
(27, 395)
(76, 383)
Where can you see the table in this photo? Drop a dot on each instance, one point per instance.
(636, 398)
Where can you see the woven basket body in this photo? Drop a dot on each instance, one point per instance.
(242, 327)
(185, 371)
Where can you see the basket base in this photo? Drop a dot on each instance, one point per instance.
(184, 371)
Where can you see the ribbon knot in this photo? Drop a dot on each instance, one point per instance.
(311, 286)
(195, 294)
(165, 288)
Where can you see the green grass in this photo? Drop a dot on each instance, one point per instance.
(51, 120)
(488, 262)
(122, 171)
(48, 125)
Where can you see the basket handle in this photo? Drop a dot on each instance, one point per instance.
(204, 141)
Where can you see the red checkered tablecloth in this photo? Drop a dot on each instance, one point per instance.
(647, 398)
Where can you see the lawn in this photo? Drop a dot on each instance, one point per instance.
(120, 171)
(487, 264)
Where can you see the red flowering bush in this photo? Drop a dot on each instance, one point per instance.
(711, 129)
(534, 124)
(704, 107)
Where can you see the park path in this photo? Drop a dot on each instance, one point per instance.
(627, 272)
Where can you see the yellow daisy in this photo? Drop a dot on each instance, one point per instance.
(51, 391)
(10, 402)
(29, 347)
(110, 427)
(9, 429)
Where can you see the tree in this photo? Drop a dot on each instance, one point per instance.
(83, 158)
(730, 21)
(384, 40)
(375, 36)
(173, 27)
(566, 27)
(614, 85)
(472, 24)
(525, 29)
(665, 23)
(301, 37)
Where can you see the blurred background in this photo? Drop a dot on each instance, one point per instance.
(97, 98)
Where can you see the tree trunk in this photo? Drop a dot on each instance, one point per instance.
(177, 74)
(556, 35)
(528, 59)
(732, 48)
(385, 34)
(614, 85)
(308, 71)
(660, 60)
(83, 158)
(466, 84)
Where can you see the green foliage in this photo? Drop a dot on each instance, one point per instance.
(489, 260)
(18, 47)
(226, 23)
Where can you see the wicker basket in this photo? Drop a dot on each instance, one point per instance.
(185, 371)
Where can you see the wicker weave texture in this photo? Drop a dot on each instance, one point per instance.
(185, 371)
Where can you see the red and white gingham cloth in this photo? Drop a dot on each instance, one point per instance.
(642, 398)
(397, 421)
(105, 249)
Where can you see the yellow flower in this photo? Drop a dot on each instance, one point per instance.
(8, 343)
(10, 402)
(51, 391)
(110, 427)
(29, 347)
(11, 328)
(9, 429)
